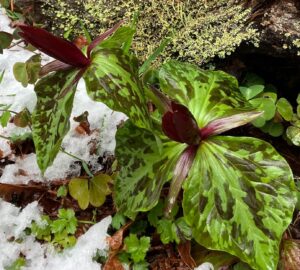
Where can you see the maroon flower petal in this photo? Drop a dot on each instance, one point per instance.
(185, 125)
(53, 46)
(168, 127)
(182, 168)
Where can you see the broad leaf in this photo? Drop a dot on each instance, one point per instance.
(112, 78)
(5, 40)
(239, 198)
(79, 190)
(293, 133)
(285, 109)
(122, 38)
(20, 73)
(209, 95)
(50, 119)
(145, 168)
(251, 91)
(98, 189)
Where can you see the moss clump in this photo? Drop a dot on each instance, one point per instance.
(199, 30)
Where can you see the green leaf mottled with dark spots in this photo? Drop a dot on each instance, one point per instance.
(144, 168)
(209, 95)
(112, 78)
(239, 198)
(50, 119)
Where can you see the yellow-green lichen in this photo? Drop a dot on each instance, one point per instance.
(199, 29)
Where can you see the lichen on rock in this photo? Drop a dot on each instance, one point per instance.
(199, 30)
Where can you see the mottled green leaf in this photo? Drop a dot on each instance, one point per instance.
(122, 38)
(285, 109)
(50, 118)
(79, 190)
(293, 133)
(99, 189)
(145, 168)
(239, 197)
(112, 78)
(208, 94)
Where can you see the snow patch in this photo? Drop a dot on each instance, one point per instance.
(100, 117)
(205, 266)
(42, 256)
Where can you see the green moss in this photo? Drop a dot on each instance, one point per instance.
(199, 29)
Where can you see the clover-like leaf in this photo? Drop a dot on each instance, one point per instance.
(50, 118)
(20, 73)
(285, 109)
(79, 190)
(209, 95)
(293, 133)
(99, 189)
(251, 91)
(239, 198)
(146, 166)
(112, 78)
(28, 72)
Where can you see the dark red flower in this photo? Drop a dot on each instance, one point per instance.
(59, 48)
(180, 125)
(56, 47)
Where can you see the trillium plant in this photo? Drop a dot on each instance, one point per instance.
(238, 192)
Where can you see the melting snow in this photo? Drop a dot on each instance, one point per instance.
(43, 256)
(100, 117)
(13, 221)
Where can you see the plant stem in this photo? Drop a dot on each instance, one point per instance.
(4, 137)
(5, 110)
(84, 164)
(86, 222)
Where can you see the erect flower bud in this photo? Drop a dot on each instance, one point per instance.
(56, 47)
(180, 125)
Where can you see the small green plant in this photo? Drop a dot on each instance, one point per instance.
(90, 191)
(28, 72)
(62, 191)
(17, 264)
(293, 131)
(277, 112)
(136, 249)
(59, 232)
